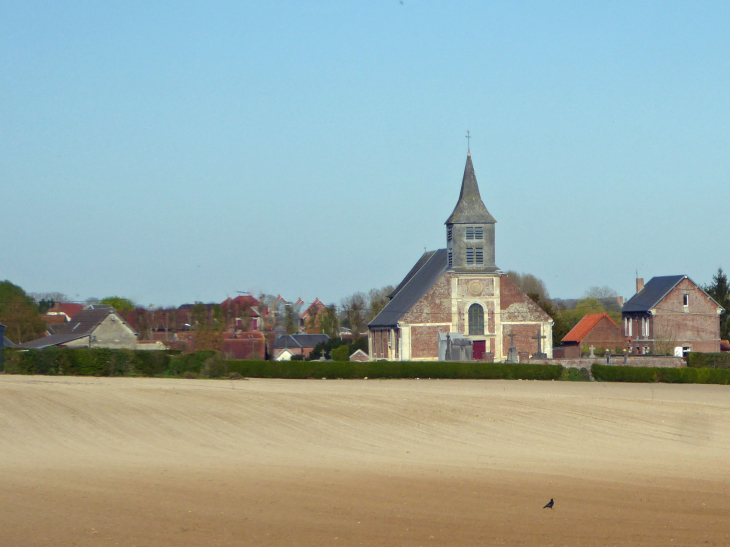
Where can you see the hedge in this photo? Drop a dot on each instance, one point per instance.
(393, 369)
(209, 364)
(708, 360)
(667, 375)
(87, 362)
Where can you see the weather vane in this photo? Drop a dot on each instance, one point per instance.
(468, 138)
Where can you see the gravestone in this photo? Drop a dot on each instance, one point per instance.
(512, 356)
(592, 355)
(539, 354)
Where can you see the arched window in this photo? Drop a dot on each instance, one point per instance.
(476, 319)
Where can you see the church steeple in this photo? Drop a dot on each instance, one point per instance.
(470, 229)
(470, 208)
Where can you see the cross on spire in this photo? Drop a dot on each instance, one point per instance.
(468, 138)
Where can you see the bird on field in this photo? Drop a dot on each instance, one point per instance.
(550, 504)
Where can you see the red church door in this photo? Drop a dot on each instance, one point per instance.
(479, 347)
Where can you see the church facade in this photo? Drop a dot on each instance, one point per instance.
(457, 296)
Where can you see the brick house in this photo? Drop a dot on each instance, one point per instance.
(460, 290)
(61, 313)
(595, 329)
(671, 314)
(315, 310)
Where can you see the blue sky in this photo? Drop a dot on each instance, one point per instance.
(184, 151)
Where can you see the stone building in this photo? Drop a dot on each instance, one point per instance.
(97, 326)
(671, 314)
(459, 291)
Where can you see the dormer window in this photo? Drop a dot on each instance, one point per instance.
(474, 232)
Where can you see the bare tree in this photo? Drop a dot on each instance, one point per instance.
(600, 292)
(354, 313)
(530, 285)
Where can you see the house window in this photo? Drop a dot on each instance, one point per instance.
(629, 325)
(479, 256)
(470, 256)
(476, 319)
(474, 232)
(646, 350)
(449, 233)
(686, 300)
(646, 327)
(450, 255)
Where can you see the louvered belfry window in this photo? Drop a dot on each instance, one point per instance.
(474, 232)
(476, 319)
(470, 256)
(450, 255)
(479, 256)
(449, 233)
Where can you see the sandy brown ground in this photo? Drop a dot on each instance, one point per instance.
(149, 462)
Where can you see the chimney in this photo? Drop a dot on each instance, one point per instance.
(620, 300)
(639, 284)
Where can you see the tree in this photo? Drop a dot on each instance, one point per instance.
(600, 292)
(292, 315)
(118, 303)
(377, 300)
(329, 323)
(46, 300)
(720, 292)
(354, 313)
(530, 285)
(19, 313)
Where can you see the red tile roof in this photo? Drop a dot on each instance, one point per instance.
(585, 326)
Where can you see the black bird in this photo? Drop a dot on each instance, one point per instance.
(550, 504)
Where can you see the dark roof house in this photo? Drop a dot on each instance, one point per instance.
(96, 326)
(299, 344)
(672, 315)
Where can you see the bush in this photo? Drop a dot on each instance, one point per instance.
(214, 367)
(341, 353)
(708, 360)
(667, 375)
(191, 362)
(575, 375)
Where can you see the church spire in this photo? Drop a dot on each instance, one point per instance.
(470, 208)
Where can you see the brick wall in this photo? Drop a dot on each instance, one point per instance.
(424, 341)
(434, 306)
(516, 305)
(523, 338)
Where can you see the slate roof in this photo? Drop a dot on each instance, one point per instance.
(7, 343)
(470, 208)
(300, 340)
(652, 293)
(413, 289)
(585, 326)
(83, 324)
(421, 261)
(53, 340)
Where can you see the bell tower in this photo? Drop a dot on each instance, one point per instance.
(470, 229)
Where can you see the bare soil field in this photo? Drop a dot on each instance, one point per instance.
(154, 462)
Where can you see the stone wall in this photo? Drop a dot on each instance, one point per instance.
(616, 360)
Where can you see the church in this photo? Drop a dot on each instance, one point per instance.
(456, 304)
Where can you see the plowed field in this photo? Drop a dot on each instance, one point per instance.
(154, 462)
